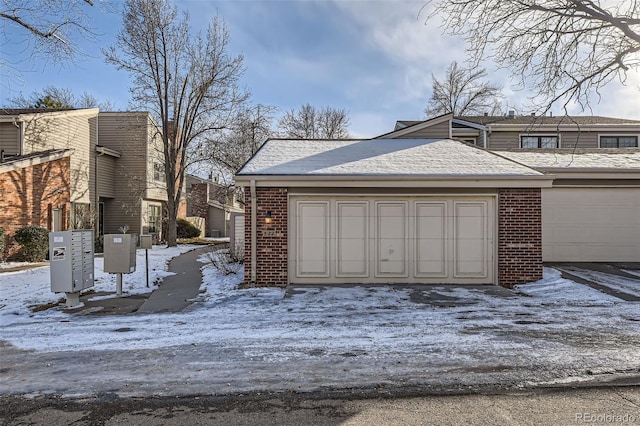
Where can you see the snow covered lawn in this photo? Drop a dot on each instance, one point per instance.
(305, 338)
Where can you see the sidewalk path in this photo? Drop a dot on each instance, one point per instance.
(178, 291)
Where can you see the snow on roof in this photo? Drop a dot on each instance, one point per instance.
(379, 157)
(597, 158)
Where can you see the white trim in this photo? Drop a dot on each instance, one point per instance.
(562, 127)
(637, 136)
(469, 124)
(11, 164)
(507, 181)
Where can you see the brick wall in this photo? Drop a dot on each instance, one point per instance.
(198, 200)
(519, 236)
(28, 195)
(272, 253)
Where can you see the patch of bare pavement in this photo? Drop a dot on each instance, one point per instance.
(592, 405)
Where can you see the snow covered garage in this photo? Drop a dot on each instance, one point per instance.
(389, 211)
(592, 212)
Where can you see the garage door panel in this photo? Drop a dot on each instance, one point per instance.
(470, 239)
(391, 239)
(352, 239)
(591, 224)
(313, 239)
(431, 239)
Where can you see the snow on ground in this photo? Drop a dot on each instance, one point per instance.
(374, 333)
(614, 282)
(20, 291)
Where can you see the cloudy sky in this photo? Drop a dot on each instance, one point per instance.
(373, 58)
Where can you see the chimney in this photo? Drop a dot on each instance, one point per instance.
(533, 114)
(486, 114)
(512, 113)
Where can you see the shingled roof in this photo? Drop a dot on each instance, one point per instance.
(420, 158)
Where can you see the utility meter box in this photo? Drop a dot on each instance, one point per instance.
(146, 241)
(119, 253)
(71, 260)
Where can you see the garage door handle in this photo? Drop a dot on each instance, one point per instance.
(384, 260)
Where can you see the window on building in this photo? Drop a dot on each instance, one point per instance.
(158, 172)
(154, 218)
(539, 142)
(618, 141)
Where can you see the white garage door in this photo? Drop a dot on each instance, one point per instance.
(387, 240)
(591, 224)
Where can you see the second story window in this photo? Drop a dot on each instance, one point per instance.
(158, 172)
(618, 141)
(539, 142)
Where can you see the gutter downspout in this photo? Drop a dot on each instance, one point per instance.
(254, 232)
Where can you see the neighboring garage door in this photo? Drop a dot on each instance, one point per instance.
(391, 240)
(591, 224)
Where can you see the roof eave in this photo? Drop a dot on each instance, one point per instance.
(414, 181)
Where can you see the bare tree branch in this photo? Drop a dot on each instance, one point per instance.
(563, 50)
(51, 27)
(311, 123)
(463, 92)
(188, 82)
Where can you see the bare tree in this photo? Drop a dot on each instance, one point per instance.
(51, 26)
(55, 97)
(187, 81)
(311, 123)
(249, 130)
(463, 92)
(565, 49)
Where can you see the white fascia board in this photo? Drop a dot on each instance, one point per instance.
(562, 127)
(55, 114)
(503, 181)
(11, 165)
(593, 173)
(108, 151)
(469, 124)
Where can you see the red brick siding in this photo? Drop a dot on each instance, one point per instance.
(27, 193)
(519, 236)
(198, 200)
(272, 255)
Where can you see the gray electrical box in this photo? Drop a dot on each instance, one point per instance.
(71, 260)
(119, 253)
(146, 241)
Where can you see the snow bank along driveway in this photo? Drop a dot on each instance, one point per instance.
(312, 338)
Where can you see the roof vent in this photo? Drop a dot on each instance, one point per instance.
(486, 114)
(512, 113)
(533, 114)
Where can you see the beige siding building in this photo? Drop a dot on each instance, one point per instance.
(525, 132)
(116, 163)
(138, 173)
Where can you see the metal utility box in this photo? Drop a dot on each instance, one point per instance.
(146, 241)
(71, 260)
(119, 253)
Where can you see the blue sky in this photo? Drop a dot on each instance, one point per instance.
(373, 58)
